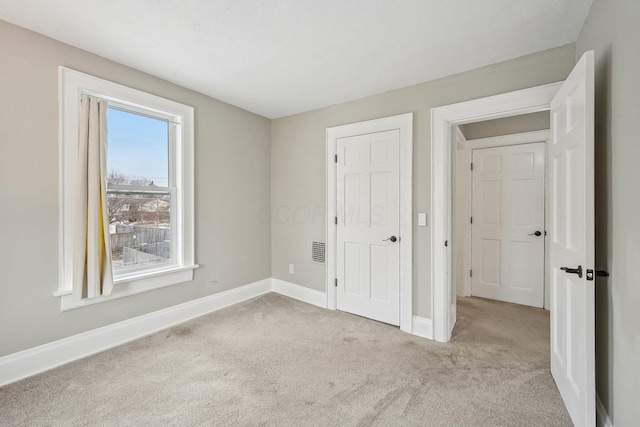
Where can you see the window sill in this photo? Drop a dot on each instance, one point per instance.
(130, 286)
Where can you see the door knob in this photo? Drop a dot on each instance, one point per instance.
(577, 271)
(392, 238)
(537, 234)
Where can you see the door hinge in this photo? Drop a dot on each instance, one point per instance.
(470, 273)
(336, 158)
(336, 283)
(471, 220)
(336, 220)
(471, 166)
(446, 243)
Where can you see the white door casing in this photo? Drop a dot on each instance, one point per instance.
(368, 252)
(508, 211)
(443, 120)
(572, 236)
(401, 125)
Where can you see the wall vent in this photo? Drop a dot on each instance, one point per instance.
(317, 252)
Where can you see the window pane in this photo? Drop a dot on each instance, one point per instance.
(140, 229)
(138, 149)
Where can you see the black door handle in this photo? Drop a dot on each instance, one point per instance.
(577, 271)
(537, 233)
(392, 238)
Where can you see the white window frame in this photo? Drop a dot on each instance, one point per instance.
(72, 84)
(176, 255)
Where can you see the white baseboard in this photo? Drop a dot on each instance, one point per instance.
(422, 327)
(47, 356)
(301, 293)
(602, 418)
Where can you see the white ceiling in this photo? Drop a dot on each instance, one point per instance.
(282, 57)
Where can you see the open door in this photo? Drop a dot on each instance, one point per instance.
(572, 251)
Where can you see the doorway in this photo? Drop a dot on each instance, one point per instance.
(444, 120)
(499, 211)
(571, 212)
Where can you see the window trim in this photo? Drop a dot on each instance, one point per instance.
(71, 85)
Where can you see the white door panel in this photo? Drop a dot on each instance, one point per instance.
(571, 186)
(507, 208)
(368, 200)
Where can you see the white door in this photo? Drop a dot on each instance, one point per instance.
(507, 244)
(572, 252)
(368, 250)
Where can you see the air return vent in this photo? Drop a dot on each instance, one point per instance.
(317, 252)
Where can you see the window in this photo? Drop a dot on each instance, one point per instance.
(140, 190)
(149, 186)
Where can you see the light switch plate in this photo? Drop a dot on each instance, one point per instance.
(422, 219)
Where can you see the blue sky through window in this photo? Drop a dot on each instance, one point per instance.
(138, 146)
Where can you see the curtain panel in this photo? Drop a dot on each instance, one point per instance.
(92, 274)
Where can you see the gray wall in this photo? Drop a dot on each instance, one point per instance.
(298, 159)
(232, 185)
(612, 31)
(507, 126)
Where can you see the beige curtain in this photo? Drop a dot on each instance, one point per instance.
(92, 275)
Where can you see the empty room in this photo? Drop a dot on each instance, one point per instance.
(331, 213)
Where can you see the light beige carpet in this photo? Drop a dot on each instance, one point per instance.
(274, 361)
